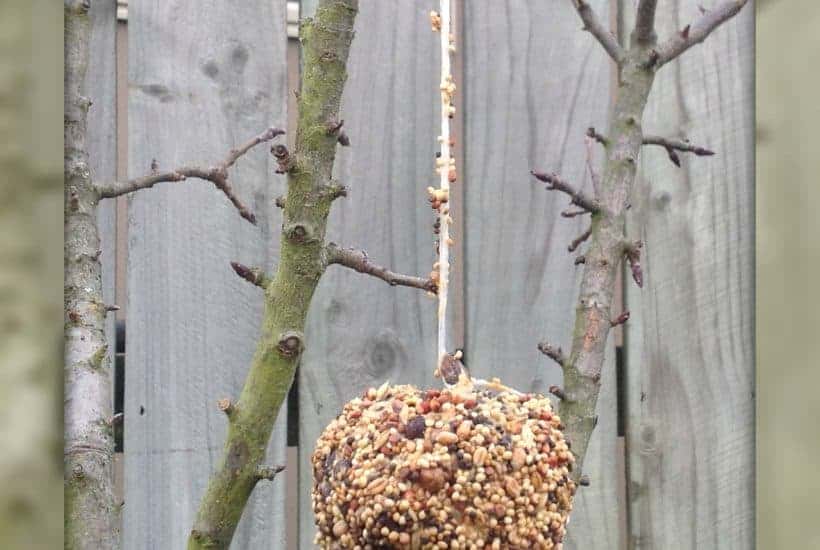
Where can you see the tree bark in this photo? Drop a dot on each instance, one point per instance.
(326, 43)
(582, 369)
(91, 515)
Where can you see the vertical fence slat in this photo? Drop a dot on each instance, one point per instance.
(360, 331)
(203, 77)
(534, 83)
(690, 361)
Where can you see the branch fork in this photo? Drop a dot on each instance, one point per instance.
(218, 175)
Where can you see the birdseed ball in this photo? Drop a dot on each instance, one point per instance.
(402, 468)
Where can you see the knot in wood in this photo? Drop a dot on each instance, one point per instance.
(290, 344)
(298, 233)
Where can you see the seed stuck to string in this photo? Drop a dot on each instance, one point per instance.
(445, 168)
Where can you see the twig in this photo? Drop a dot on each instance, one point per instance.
(557, 392)
(218, 175)
(253, 275)
(620, 319)
(632, 251)
(358, 260)
(557, 184)
(594, 26)
(600, 138)
(573, 213)
(573, 246)
(268, 472)
(674, 145)
(698, 31)
(553, 352)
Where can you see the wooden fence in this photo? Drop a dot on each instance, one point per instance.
(671, 461)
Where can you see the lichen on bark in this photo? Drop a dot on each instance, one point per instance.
(326, 43)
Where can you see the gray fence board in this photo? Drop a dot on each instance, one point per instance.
(362, 332)
(690, 360)
(534, 83)
(203, 76)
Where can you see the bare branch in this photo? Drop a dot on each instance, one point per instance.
(573, 213)
(600, 138)
(645, 21)
(577, 242)
(557, 392)
(620, 319)
(594, 26)
(698, 31)
(253, 275)
(268, 472)
(218, 175)
(674, 145)
(557, 184)
(553, 352)
(358, 260)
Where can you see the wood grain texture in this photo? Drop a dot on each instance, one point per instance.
(362, 332)
(203, 77)
(690, 359)
(534, 83)
(101, 82)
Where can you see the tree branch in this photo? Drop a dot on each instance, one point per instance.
(553, 352)
(218, 175)
(577, 242)
(268, 472)
(358, 260)
(698, 31)
(604, 36)
(253, 275)
(674, 145)
(645, 22)
(91, 512)
(557, 184)
(325, 40)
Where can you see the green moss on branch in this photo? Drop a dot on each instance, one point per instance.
(326, 43)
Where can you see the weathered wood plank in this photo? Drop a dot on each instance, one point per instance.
(690, 355)
(204, 76)
(360, 331)
(101, 82)
(534, 83)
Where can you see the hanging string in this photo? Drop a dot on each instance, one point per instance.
(445, 167)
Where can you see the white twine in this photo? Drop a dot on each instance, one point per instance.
(444, 165)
